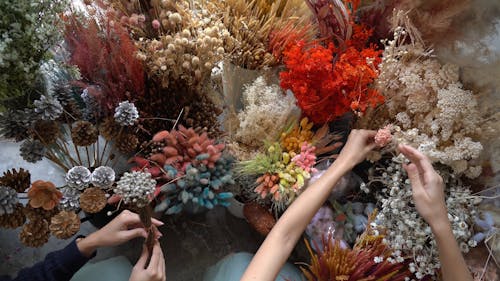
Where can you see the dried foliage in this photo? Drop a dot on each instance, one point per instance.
(253, 23)
(370, 259)
(105, 54)
(427, 103)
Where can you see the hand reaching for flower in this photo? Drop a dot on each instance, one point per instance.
(358, 144)
(428, 194)
(427, 187)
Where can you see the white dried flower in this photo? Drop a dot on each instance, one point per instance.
(265, 112)
(407, 233)
(135, 188)
(126, 114)
(78, 177)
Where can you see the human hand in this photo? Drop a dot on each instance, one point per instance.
(427, 186)
(358, 144)
(124, 227)
(155, 271)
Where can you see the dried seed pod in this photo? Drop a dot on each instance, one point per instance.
(127, 143)
(18, 180)
(93, 200)
(35, 233)
(84, 133)
(64, 225)
(14, 220)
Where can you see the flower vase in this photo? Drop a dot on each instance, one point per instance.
(236, 208)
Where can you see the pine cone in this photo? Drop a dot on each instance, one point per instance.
(14, 124)
(70, 200)
(109, 129)
(18, 180)
(126, 114)
(64, 225)
(48, 107)
(8, 200)
(35, 214)
(14, 220)
(46, 131)
(259, 218)
(127, 143)
(84, 133)
(35, 233)
(72, 111)
(32, 150)
(93, 200)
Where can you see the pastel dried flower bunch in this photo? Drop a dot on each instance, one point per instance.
(184, 146)
(407, 232)
(297, 132)
(265, 113)
(351, 219)
(428, 105)
(190, 169)
(200, 187)
(369, 259)
(179, 42)
(282, 178)
(333, 79)
(250, 25)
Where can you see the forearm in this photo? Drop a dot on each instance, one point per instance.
(453, 265)
(280, 242)
(57, 266)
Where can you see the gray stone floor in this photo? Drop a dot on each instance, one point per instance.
(190, 244)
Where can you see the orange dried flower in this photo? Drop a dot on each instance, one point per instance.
(44, 194)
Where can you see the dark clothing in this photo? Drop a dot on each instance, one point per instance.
(58, 266)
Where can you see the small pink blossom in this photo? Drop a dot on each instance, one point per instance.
(383, 136)
(307, 158)
(155, 24)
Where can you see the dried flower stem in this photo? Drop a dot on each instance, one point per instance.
(145, 215)
(88, 155)
(103, 151)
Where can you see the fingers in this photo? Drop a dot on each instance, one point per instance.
(162, 266)
(414, 176)
(423, 163)
(134, 233)
(157, 222)
(143, 258)
(156, 256)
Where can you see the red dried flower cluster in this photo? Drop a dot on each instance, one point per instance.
(328, 82)
(105, 55)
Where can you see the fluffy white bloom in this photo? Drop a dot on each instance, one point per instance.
(266, 110)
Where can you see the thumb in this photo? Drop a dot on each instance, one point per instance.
(143, 258)
(134, 233)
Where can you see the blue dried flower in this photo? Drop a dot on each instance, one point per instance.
(199, 187)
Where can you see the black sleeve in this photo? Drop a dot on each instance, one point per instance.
(58, 266)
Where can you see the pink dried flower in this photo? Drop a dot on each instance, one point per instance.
(307, 158)
(155, 24)
(383, 136)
